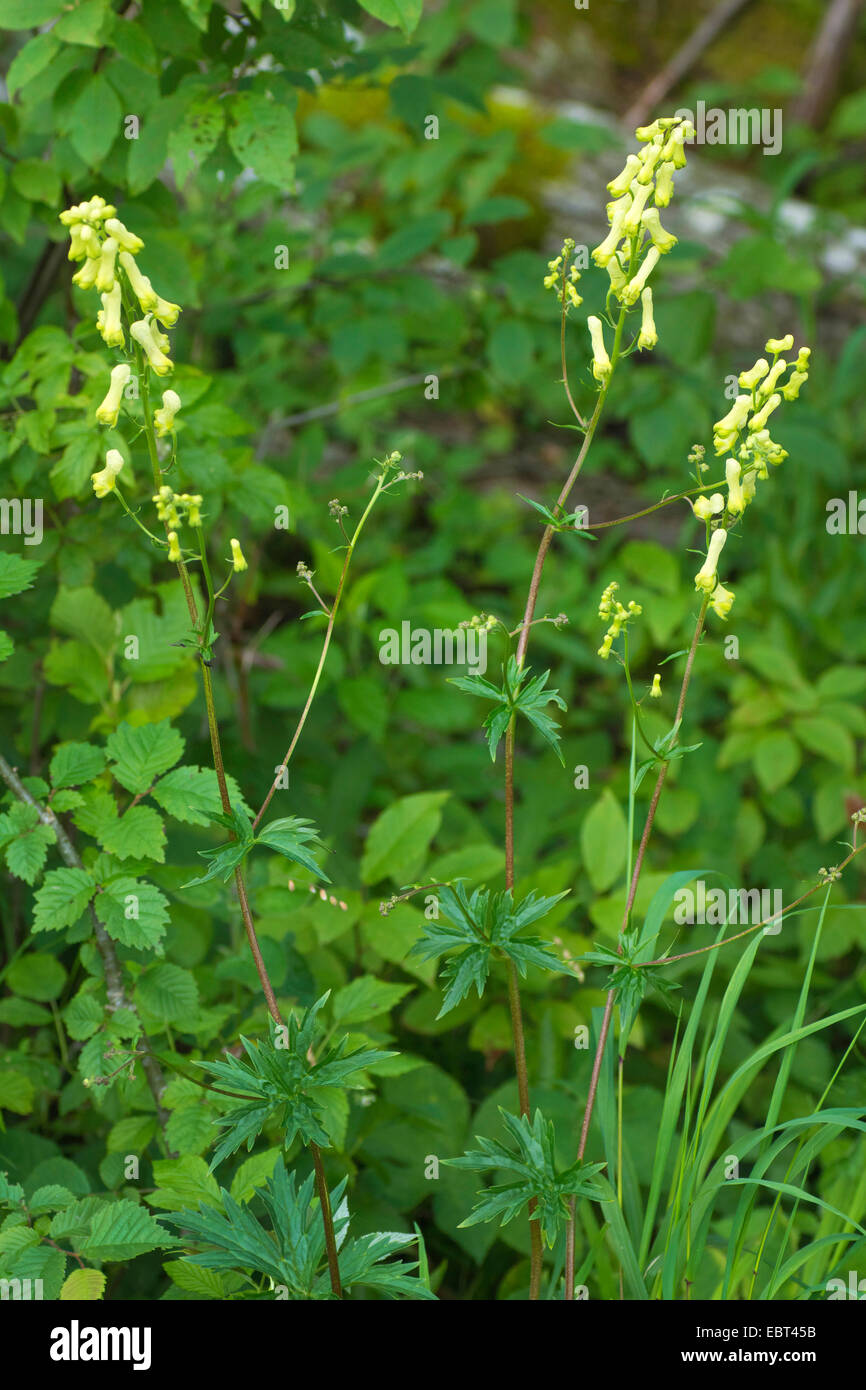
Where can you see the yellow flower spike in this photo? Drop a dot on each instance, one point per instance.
(648, 336)
(104, 481)
(109, 408)
(722, 601)
(705, 508)
(105, 273)
(126, 240)
(655, 692)
(141, 286)
(775, 345)
(634, 288)
(759, 420)
(736, 501)
(623, 181)
(85, 278)
(108, 319)
(173, 547)
(143, 333)
(665, 241)
(631, 221)
(601, 367)
(238, 561)
(749, 380)
(164, 417)
(706, 576)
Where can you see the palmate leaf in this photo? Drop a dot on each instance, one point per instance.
(283, 1083)
(518, 695)
(291, 836)
(630, 977)
(486, 927)
(531, 1159)
(292, 1252)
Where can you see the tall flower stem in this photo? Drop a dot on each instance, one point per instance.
(611, 996)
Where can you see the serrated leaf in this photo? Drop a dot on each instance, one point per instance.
(74, 763)
(83, 1286)
(62, 898)
(399, 838)
(122, 1231)
(366, 998)
(140, 754)
(137, 834)
(169, 993)
(133, 912)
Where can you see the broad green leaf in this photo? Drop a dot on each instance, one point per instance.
(137, 834)
(36, 975)
(403, 14)
(16, 573)
(36, 180)
(603, 841)
(30, 60)
(96, 120)
(16, 1092)
(366, 998)
(263, 138)
(776, 759)
(26, 855)
(398, 840)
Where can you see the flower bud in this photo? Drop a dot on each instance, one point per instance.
(126, 240)
(665, 241)
(749, 380)
(103, 482)
(622, 183)
(648, 336)
(776, 345)
(164, 417)
(109, 408)
(143, 333)
(238, 561)
(706, 576)
(635, 285)
(141, 286)
(631, 221)
(85, 278)
(759, 420)
(791, 388)
(655, 692)
(173, 547)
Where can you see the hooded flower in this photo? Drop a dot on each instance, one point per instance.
(164, 417)
(141, 286)
(648, 336)
(238, 561)
(635, 285)
(601, 368)
(104, 481)
(655, 692)
(108, 319)
(665, 241)
(109, 408)
(722, 601)
(736, 499)
(173, 547)
(705, 508)
(145, 335)
(706, 576)
(105, 273)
